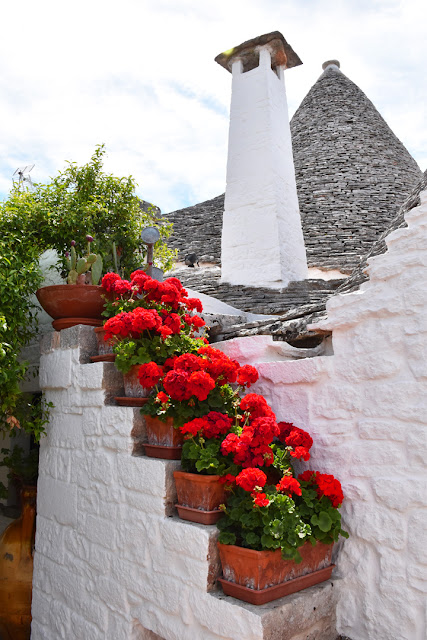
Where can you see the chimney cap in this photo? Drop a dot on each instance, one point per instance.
(328, 63)
(282, 53)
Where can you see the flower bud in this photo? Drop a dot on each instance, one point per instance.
(73, 243)
(89, 238)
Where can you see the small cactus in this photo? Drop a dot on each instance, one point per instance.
(97, 270)
(91, 263)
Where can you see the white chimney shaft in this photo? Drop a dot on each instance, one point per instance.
(262, 241)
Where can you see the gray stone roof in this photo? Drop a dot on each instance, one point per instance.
(352, 174)
(292, 325)
(359, 275)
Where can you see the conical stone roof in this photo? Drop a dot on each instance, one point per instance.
(352, 172)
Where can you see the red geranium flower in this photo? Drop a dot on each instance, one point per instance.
(260, 499)
(256, 405)
(122, 287)
(162, 397)
(230, 443)
(200, 384)
(193, 427)
(330, 487)
(149, 374)
(247, 375)
(173, 321)
(175, 282)
(250, 478)
(108, 281)
(289, 486)
(188, 362)
(300, 453)
(176, 385)
(217, 424)
(194, 304)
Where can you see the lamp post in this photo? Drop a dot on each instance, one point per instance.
(149, 236)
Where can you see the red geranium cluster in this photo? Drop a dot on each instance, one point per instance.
(213, 425)
(169, 293)
(197, 375)
(253, 480)
(299, 440)
(149, 374)
(289, 485)
(252, 447)
(325, 485)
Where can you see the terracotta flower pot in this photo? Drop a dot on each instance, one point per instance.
(261, 576)
(72, 304)
(199, 497)
(164, 441)
(104, 348)
(16, 571)
(133, 387)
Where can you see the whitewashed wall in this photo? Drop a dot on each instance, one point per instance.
(366, 408)
(112, 561)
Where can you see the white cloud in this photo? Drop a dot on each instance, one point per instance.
(140, 76)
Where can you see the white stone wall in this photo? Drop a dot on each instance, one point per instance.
(366, 408)
(262, 242)
(112, 560)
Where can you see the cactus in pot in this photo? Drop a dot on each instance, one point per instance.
(85, 270)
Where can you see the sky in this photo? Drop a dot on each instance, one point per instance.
(140, 77)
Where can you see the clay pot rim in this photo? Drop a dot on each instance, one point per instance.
(196, 477)
(98, 329)
(61, 287)
(234, 548)
(254, 552)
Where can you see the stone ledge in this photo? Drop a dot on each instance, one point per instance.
(306, 615)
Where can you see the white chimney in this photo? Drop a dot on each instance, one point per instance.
(262, 242)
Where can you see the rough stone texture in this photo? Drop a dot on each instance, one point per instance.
(359, 274)
(248, 52)
(257, 299)
(366, 409)
(112, 559)
(352, 174)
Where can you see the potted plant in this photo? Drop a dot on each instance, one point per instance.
(155, 322)
(80, 301)
(207, 470)
(277, 538)
(190, 386)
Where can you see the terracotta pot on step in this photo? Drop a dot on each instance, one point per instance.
(16, 571)
(72, 304)
(105, 348)
(261, 576)
(133, 387)
(199, 497)
(164, 441)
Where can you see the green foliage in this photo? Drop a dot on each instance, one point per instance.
(205, 457)
(323, 518)
(78, 201)
(277, 526)
(82, 200)
(153, 348)
(22, 466)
